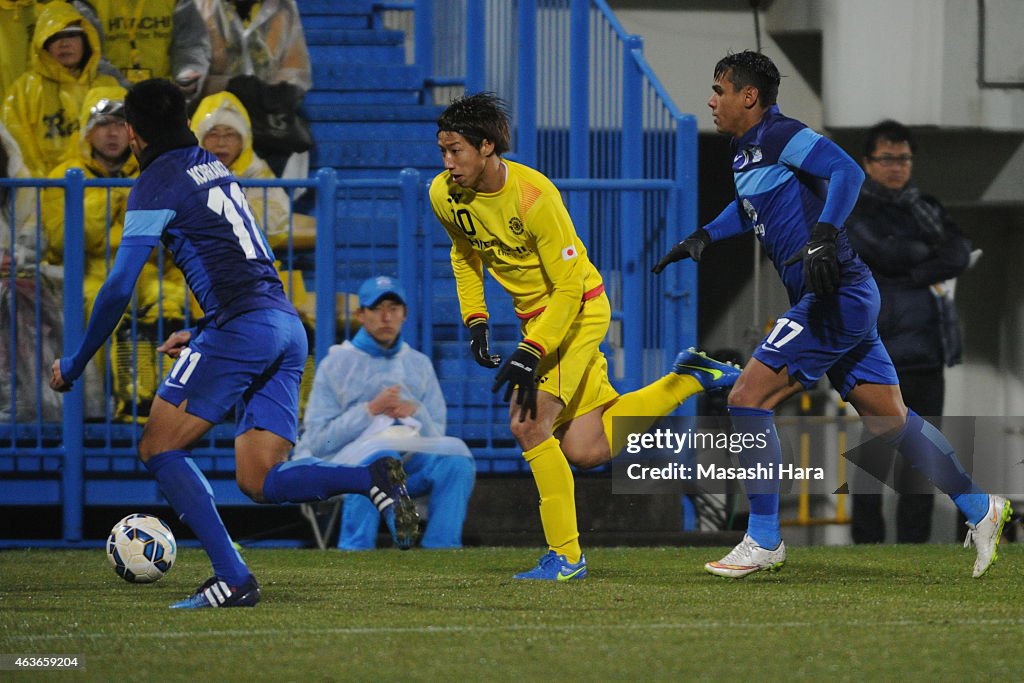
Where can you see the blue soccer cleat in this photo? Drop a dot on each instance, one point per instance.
(217, 593)
(389, 494)
(555, 567)
(711, 374)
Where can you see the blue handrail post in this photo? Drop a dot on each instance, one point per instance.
(526, 100)
(686, 175)
(632, 211)
(475, 35)
(423, 35)
(324, 254)
(579, 107)
(429, 227)
(74, 323)
(408, 250)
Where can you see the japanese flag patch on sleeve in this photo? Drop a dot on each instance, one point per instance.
(569, 252)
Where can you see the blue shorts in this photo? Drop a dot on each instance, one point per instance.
(252, 364)
(839, 337)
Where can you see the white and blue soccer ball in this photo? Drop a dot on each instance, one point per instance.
(141, 548)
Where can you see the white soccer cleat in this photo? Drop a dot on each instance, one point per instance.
(985, 534)
(746, 558)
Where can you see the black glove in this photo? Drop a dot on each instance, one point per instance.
(479, 343)
(692, 247)
(821, 267)
(520, 371)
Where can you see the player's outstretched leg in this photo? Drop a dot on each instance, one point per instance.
(383, 482)
(692, 373)
(986, 533)
(555, 567)
(389, 493)
(217, 593)
(711, 374)
(746, 558)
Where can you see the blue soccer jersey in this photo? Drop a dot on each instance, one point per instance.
(187, 199)
(788, 177)
(192, 203)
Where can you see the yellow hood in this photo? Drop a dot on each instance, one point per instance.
(224, 109)
(54, 18)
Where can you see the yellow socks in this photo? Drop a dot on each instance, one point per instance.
(557, 492)
(657, 399)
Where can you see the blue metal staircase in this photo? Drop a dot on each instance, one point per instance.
(367, 106)
(369, 119)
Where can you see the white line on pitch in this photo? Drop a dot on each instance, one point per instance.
(378, 630)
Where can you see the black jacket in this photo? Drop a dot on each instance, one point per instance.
(920, 331)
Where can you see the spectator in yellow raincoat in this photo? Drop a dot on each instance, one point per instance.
(41, 108)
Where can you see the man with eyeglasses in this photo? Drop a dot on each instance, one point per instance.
(912, 247)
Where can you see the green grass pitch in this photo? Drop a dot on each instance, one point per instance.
(841, 613)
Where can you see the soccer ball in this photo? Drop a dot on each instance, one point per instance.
(141, 548)
(141, 519)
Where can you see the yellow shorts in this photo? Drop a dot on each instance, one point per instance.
(577, 372)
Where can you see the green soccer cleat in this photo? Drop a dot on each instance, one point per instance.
(711, 374)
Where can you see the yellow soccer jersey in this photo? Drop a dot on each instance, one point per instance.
(523, 235)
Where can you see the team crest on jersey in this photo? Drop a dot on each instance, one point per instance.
(569, 252)
(747, 156)
(515, 225)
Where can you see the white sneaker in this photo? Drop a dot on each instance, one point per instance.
(985, 534)
(746, 558)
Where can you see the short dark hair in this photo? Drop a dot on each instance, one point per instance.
(155, 108)
(891, 131)
(754, 69)
(479, 117)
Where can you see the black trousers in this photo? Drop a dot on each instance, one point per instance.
(924, 392)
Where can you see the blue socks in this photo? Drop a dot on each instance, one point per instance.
(189, 493)
(763, 494)
(919, 442)
(930, 452)
(187, 490)
(308, 479)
